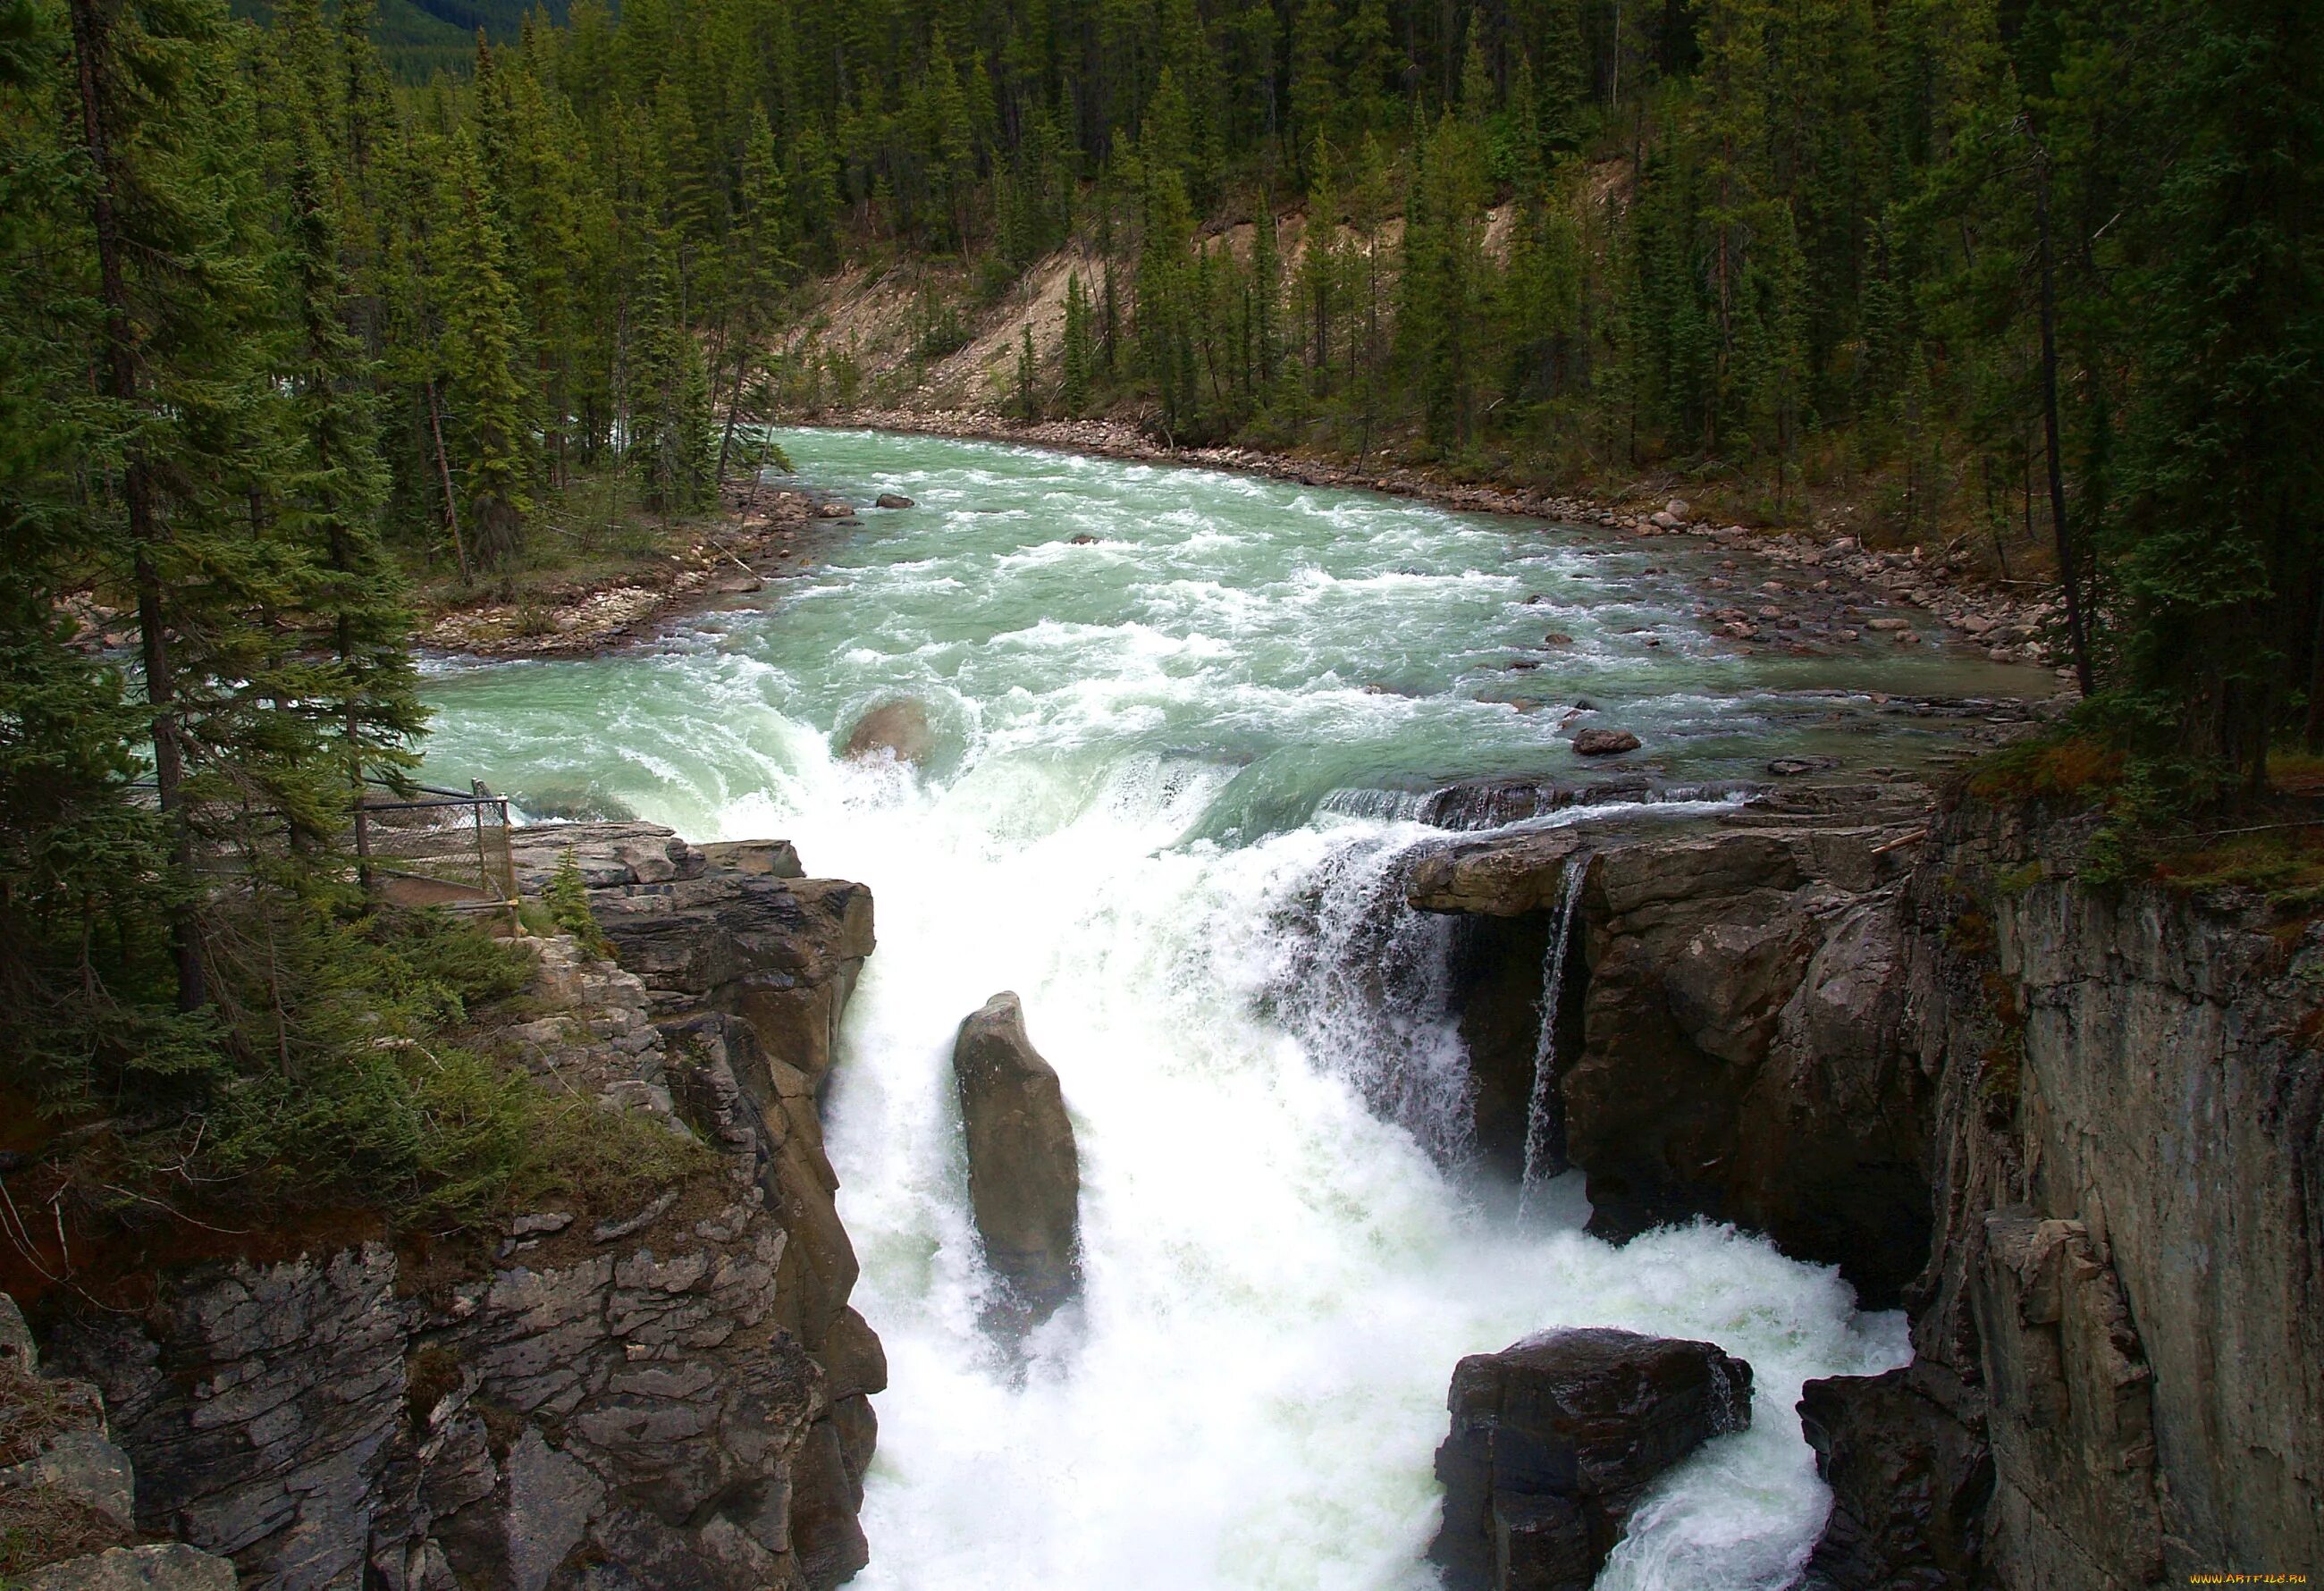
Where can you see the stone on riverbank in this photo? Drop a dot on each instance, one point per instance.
(1556, 1438)
(1024, 1171)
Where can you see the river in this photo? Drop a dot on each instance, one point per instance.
(1169, 763)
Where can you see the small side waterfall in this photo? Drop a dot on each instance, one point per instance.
(1540, 1106)
(1364, 980)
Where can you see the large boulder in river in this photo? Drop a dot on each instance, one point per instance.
(898, 728)
(1604, 742)
(1554, 1441)
(1024, 1172)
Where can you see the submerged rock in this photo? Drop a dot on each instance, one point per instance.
(1556, 1438)
(898, 728)
(1024, 1172)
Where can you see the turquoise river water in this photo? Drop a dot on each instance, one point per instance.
(1172, 771)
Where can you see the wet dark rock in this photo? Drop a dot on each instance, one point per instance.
(609, 854)
(892, 500)
(770, 859)
(66, 1489)
(1735, 1050)
(728, 927)
(1509, 876)
(669, 1395)
(1489, 804)
(1604, 742)
(652, 1403)
(1909, 1480)
(1083, 539)
(570, 806)
(1908, 1042)
(1554, 1441)
(1024, 1171)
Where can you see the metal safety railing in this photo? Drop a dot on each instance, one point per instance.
(414, 844)
(425, 845)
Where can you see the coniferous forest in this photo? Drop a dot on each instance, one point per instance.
(295, 318)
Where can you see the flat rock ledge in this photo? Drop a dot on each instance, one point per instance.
(1554, 1441)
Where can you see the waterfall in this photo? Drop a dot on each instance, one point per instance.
(1540, 1106)
(1288, 1243)
(1364, 981)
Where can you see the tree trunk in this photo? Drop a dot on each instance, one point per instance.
(444, 472)
(733, 402)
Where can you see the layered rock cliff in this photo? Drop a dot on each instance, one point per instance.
(670, 1395)
(2124, 1296)
(2075, 1130)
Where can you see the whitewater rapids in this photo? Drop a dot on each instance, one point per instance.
(1139, 816)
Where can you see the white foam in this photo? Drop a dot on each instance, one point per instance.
(1281, 1271)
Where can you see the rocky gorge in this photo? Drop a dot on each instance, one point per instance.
(2078, 1132)
(671, 1394)
(1812, 1035)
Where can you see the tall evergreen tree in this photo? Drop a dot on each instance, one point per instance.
(483, 397)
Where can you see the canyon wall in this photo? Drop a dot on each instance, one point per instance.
(2074, 1130)
(671, 1394)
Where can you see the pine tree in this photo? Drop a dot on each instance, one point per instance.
(2217, 559)
(1315, 93)
(758, 266)
(1319, 287)
(335, 500)
(484, 398)
(1266, 292)
(1028, 378)
(669, 429)
(1561, 77)
(74, 851)
(177, 437)
(1077, 356)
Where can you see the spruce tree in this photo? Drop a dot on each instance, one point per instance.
(1028, 380)
(1077, 356)
(336, 497)
(484, 398)
(1318, 291)
(177, 437)
(669, 429)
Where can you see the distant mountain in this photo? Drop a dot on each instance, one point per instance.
(420, 38)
